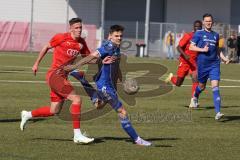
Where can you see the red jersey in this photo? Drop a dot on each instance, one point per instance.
(185, 43)
(66, 49)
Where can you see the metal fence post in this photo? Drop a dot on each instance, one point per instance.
(31, 28)
(147, 26)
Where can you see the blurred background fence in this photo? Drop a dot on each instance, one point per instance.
(34, 22)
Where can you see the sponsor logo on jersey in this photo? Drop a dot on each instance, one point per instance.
(72, 52)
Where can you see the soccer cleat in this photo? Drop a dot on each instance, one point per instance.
(219, 116)
(194, 103)
(142, 142)
(81, 139)
(169, 77)
(24, 119)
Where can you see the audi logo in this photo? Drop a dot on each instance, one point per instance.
(72, 52)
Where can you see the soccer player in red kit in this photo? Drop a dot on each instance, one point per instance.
(67, 46)
(187, 61)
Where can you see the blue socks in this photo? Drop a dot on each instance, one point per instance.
(197, 92)
(128, 128)
(216, 99)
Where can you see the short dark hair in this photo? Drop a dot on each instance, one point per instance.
(116, 28)
(197, 21)
(207, 15)
(75, 20)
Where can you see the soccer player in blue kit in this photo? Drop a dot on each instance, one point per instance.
(106, 79)
(205, 42)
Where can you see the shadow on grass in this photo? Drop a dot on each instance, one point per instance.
(231, 118)
(225, 118)
(18, 120)
(51, 139)
(211, 107)
(104, 139)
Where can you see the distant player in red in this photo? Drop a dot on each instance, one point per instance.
(187, 61)
(67, 46)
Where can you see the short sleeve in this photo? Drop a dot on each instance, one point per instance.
(196, 38)
(105, 49)
(85, 50)
(185, 40)
(56, 40)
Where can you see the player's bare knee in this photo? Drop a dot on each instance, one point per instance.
(76, 99)
(55, 110)
(202, 86)
(122, 113)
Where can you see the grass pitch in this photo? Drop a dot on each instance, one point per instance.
(176, 132)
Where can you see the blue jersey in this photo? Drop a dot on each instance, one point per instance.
(108, 72)
(202, 38)
(208, 63)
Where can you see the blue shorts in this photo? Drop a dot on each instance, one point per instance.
(109, 95)
(212, 72)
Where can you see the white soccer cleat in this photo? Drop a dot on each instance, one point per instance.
(194, 103)
(142, 142)
(219, 116)
(169, 77)
(81, 139)
(24, 119)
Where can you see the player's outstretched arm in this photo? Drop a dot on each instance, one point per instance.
(42, 53)
(181, 51)
(86, 60)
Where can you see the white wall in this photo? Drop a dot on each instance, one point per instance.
(51, 11)
(15, 10)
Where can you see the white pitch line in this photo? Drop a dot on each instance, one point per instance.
(23, 67)
(36, 82)
(43, 82)
(22, 72)
(29, 72)
(210, 86)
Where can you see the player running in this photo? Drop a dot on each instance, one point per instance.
(187, 62)
(67, 46)
(205, 42)
(106, 78)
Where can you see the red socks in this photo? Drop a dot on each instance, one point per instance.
(75, 111)
(42, 112)
(45, 112)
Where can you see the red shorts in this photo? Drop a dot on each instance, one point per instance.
(186, 68)
(59, 85)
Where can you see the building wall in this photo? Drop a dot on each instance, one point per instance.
(51, 11)
(177, 11)
(186, 11)
(133, 10)
(15, 10)
(88, 10)
(235, 14)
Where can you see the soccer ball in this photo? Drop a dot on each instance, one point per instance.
(130, 86)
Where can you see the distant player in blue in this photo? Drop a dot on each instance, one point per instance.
(107, 78)
(205, 42)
